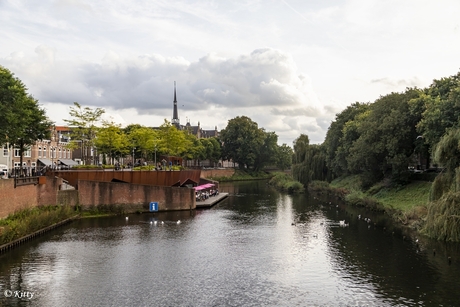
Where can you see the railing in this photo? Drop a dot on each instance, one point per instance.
(19, 181)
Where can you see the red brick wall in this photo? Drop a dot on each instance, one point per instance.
(131, 196)
(47, 193)
(12, 199)
(134, 196)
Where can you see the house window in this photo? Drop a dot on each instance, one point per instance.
(16, 152)
(5, 151)
(28, 153)
(60, 153)
(44, 152)
(39, 151)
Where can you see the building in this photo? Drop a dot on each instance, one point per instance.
(195, 130)
(52, 153)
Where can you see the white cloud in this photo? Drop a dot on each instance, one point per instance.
(289, 65)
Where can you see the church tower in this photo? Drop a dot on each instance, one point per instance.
(175, 120)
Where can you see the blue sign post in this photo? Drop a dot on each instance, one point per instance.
(153, 206)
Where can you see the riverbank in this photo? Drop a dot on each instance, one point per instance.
(407, 204)
(241, 175)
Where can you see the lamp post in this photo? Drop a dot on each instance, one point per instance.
(155, 156)
(132, 167)
(52, 149)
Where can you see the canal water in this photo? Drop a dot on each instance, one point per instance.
(258, 247)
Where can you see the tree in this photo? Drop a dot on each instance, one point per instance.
(447, 151)
(386, 139)
(196, 151)
(172, 141)
(145, 140)
(309, 161)
(267, 151)
(440, 107)
(112, 141)
(22, 121)
(242, 140)
(83, 128)
(217, 150)
(340, 136)
(284, 157)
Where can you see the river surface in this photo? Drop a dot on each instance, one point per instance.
(245, 251)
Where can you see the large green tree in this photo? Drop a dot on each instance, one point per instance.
(112, 141)
(242, 140)
(145, 140)
(386, 139)
(440, 108)
(309, 161)
(268, 151)
(22, 120)
(340, 136)
(284, 157)
(172, 141)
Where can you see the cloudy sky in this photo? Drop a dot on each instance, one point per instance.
(289, 65)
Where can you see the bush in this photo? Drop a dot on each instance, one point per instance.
(443, 218)
(285, 182)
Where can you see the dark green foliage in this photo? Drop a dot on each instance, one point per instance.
(22, 120)
(284, 157)
(447, 150)
(309, 161)
(340, 137)
(440, 105)
(242, 139)
(386, 139)
(443, 218)
(248, 145)
(285, 182)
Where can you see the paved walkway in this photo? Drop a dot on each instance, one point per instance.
(211, 201)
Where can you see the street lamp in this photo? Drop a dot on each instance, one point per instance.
(132, 167)
(52, 149)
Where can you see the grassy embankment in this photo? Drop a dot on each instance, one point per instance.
(241, 175)
(406, 204)
(27, 221)
(286, 183)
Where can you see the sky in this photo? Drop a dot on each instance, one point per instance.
(288, 65)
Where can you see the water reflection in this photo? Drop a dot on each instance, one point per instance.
(256, 248)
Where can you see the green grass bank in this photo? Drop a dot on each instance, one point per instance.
(406, 204)
(27, 221)
(241, 175)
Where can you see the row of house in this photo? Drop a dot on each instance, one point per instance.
(52, 153)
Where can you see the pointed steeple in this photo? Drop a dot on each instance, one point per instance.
(175, 120)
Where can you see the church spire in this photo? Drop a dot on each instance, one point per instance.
(175, 119)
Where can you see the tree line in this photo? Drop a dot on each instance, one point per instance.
(382, 139)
